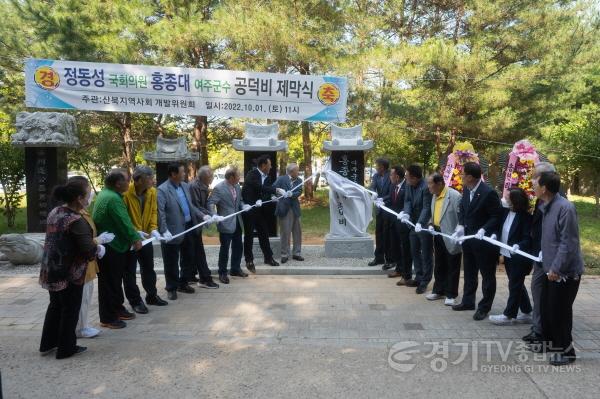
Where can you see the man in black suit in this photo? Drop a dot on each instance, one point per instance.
(380, 183)
(399, 231)
(480, 215)
(258, 187)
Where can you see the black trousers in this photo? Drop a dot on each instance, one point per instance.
(233, 240)
(446, 269)
(178, 260)
(400, 248)
(518, 298)
(479, 258)
(110, 276)
(200, 265)
(253, 220)
(145, 257)
(557, 314)
(61, 319)
(382, 238)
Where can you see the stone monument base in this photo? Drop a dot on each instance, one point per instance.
(348, 247)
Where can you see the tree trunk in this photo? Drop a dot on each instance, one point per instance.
(201, 139)
(128, 155)
(306, 145)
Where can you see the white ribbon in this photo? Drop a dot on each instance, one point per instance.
(459, 239)
(275, 199)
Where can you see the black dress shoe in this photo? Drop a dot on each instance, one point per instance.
(561, 359)
(284, 260)
(239, 274)
(411, 283)
(114, 325)
(388, 266)
(479, 315)
(186, 289)
(140, 308)
(46, 352)
(271, 262)
(376, 262)
(462, 306)
(125, 315)
(172, 295)
(78, 350)
(421, 289)
(533, 338)
(298, 257)
(156, 300)
(194, 279)
(224, 279)
(250, 267)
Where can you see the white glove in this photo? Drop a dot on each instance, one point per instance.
(480, 234)
(207, 218)
(405, 217)
(155, 234)
(418, 228)
(218, 218)
(288, 194)
(374, 196)
(101, 251)
(246, 207)
(143, 235)
(258, 203)
(280, 191)
(494, 237)
(400, 215)
(515, 248)
(379, 203)
(105, 238)
(167, 236)
(459, 232)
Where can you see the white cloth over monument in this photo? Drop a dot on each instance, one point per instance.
(350, 206)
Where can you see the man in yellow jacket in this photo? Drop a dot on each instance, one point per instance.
(142, 206)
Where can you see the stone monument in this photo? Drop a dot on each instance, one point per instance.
(259, 140)
(45, 136)
(350, 207)
(167, 151)
(19, 249)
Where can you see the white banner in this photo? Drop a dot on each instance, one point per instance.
(184, 91)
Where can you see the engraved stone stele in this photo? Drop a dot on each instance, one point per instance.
(20, 249)
(347, 159)
(46, 137)
(260, 138)
(45, 129)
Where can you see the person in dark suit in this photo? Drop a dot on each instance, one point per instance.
(380, 183)
(516, 232)
(480, 215)
(400, 243)
(288, 212)
(258, 187)
(417, 209)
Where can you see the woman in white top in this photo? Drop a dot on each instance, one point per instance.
(516, 232)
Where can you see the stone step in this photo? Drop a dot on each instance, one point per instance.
(315, 263)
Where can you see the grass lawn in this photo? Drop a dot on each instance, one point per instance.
(315, 224)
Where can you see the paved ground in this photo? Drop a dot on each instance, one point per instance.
(294, 336)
